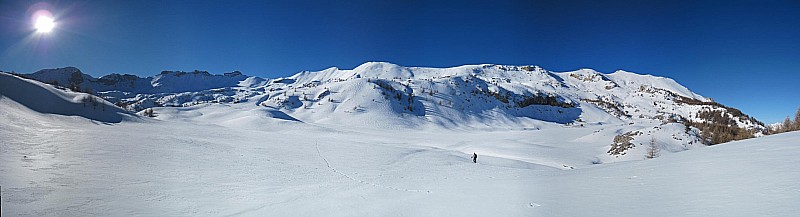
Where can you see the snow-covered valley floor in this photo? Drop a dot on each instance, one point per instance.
(198, 165)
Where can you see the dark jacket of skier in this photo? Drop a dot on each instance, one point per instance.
(474, 158)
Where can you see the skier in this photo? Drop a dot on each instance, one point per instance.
(474, 157)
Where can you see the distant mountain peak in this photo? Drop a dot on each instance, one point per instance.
(463, 96)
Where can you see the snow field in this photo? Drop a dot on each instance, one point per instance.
(352, 151)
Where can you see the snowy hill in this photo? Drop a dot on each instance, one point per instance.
(471, 97)
(19, 95)
(496, 96)
(238, 159)
(383, 139)
(753, 177)
(165, 82)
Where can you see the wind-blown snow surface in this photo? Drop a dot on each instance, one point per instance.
(244, 160)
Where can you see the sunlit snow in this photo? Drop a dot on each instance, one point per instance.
(61, 156)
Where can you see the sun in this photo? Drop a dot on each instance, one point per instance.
(44, 24)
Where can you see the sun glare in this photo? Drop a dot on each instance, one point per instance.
(44, 24)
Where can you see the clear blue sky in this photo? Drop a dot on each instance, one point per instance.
(744, 54)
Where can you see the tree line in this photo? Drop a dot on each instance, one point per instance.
(787, 125)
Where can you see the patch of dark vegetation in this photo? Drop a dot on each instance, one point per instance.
(610, 107)
(622, 143)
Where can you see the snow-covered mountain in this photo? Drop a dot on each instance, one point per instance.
(384, 139)
(242, 159)
(487, 96)
(164, 82)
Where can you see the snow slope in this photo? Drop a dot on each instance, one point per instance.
(483, 97)
(240, 160)
(257, 156)
(754, 177)
(22, 94)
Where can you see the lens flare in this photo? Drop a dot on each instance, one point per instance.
(44, 24)
(43, 21)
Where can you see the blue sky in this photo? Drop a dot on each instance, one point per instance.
(741, 53)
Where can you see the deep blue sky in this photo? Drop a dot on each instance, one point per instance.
(741, 53)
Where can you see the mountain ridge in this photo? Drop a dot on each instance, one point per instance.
(483, 96)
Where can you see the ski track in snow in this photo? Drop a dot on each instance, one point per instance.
(328, 164)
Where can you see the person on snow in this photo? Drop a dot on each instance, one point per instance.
(474, 157)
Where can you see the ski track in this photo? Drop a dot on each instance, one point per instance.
(328, 164)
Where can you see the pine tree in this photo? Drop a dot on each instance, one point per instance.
(787, 125)
(94, 102)
(653, 151)
(797, 119)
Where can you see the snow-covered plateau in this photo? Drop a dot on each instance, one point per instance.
(384, 140)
